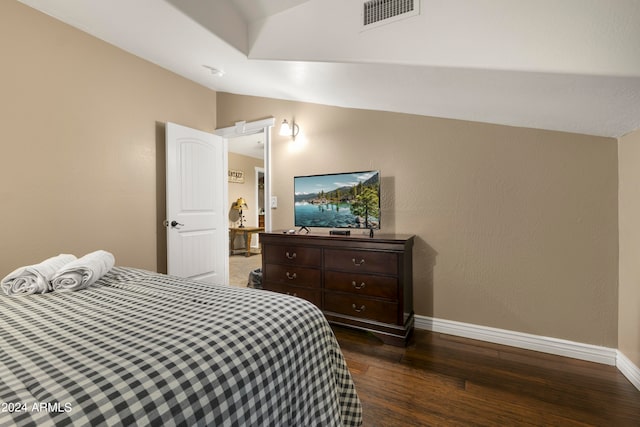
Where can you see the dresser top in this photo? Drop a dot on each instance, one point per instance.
(339, 240)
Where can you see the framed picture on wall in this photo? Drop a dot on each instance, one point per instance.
(236, 176)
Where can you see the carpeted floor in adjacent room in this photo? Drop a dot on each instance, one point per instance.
(240, 266)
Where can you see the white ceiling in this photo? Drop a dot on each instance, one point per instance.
(571, 65)
(248, 145)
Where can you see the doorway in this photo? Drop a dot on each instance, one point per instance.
(248, 153)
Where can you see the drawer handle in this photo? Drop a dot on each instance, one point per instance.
(358, 309)
(356, 263)
(356, 286)
(290, 256)
(291, 276)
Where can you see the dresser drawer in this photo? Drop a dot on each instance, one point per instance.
(292, 255)
(362, 284)
(292, 275)
(357, 281)
(361, 261)
(364, 308)
(311, 295)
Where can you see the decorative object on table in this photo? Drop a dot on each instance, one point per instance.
(240, 205)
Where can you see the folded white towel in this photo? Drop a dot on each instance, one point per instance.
(34, 279)
(83, 272)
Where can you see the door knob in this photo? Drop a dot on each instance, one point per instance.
(173, 224)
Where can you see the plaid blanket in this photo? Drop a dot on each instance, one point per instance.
(141, 348)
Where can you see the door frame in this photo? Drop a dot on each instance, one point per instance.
(257, 170)
(242, 128)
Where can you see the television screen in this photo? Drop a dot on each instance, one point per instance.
(338, 200)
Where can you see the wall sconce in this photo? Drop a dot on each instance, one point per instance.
(286, 130)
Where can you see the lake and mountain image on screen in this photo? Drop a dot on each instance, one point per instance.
(344, 200)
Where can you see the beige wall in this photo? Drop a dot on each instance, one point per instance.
(516, 228)
(83, 143)
(629, 291)
(247, 190)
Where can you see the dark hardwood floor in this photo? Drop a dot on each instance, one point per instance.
(443, 380)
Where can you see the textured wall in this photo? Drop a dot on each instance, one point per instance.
(83, 143)
(516, 228)
(629, 293)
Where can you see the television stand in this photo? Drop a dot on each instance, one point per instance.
(357, 281)
(305, 229)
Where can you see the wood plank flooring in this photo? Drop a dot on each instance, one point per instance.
(443, 380)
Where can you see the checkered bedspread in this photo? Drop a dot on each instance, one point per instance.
(141, 348)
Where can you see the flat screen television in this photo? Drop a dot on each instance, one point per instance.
(338, 200)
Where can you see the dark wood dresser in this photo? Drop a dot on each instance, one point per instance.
(356, 281)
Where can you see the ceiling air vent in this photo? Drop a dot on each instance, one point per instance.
(385, 11)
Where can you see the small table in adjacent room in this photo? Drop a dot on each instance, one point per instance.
(246, 232)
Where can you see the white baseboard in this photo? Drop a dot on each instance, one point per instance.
(591, 353)
(628, 369)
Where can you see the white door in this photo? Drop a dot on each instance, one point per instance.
(197, 234)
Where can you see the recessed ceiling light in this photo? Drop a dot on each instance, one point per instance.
(215, 71)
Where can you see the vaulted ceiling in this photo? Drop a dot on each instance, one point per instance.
(571, 65)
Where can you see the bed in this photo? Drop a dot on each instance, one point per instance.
(143, 348)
